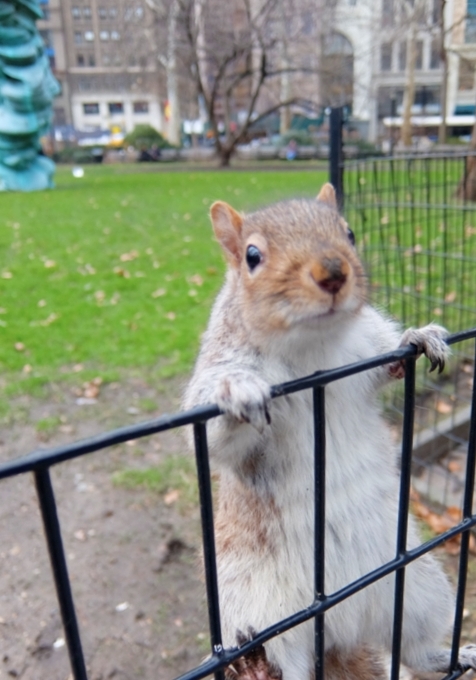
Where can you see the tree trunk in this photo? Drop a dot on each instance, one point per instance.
(225, 156)
(409, 92)
(444, 77)
(467, 186)
(174, 123)
(285, 113)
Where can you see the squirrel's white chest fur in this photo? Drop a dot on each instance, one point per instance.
(294, 303)
(265, 518)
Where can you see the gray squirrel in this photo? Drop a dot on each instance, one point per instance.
(294, 302)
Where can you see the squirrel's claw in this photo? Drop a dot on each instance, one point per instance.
(245, 397)
(467, 657)
(255, 664)
(429, 340)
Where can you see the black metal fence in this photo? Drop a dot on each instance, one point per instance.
(417, 238)
(39, 464)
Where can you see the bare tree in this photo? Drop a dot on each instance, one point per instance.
(236, 59)
(168, 12)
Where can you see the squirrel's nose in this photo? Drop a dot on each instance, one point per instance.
(330, 274)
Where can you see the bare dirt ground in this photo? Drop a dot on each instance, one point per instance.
(132, 553)
(132, 558)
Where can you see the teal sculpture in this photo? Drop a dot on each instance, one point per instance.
(27, 89)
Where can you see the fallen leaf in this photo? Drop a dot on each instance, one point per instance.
(49, 264)
(41, 303)
(171, 496)
(27, 368)
(450, 297)
(196, 279)
(171, 316)
(7, 275)
(122, 272)
(159, 292)
(19, 346)
(128, 257)
(80, 535)
(49, 320)
(443, 407)
(192, 292)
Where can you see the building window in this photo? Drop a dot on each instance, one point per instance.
(419, 55)
(80, 60)
(91, 109)
(470, 32)
(115, 35)
(47, 38)
(78, 38)
(116, 107)
(466, 74)
(112, 12)
(87, 12)
(402, 56)
(104, 35)
(435, 54)
(76, 12)
(91, 60)
(89, 36)
(102, 11)
(386, 57)
(141, 107)
(388, 13)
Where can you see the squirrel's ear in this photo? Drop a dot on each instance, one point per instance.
(328, 195)
(227, 225)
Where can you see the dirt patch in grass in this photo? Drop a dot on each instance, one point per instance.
(131, 531)
(131, 547)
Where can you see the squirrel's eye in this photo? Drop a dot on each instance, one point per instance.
(351, 237)
(253, 257)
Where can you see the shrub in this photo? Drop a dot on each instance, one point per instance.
(146, 136)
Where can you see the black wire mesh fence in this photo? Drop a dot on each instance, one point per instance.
(39, 463)
(418, 240)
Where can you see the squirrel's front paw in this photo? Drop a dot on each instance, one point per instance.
(467, 656)
(254, 665)
(429, 340)
(246, 398)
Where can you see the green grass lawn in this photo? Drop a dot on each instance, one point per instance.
(118, 269)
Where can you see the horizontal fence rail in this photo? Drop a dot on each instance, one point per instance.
(40, 462)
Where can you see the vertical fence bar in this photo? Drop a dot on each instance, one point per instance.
(319, 520)
(336, 154)
(405, 477)
(465, 536)
(208, 538)
(54, 541)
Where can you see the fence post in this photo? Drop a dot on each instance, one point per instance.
(336, 154)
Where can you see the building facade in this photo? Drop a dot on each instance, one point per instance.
(104, 54)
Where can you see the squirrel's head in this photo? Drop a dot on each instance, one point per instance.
(294, 263)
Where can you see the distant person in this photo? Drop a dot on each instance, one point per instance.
(291, 151)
